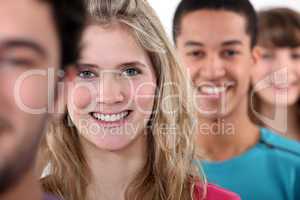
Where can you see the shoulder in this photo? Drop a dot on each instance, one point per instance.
(281, 145)
(214, 192)
(217, 193)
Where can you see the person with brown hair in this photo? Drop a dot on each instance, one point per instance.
(278, 71)
(37, 37)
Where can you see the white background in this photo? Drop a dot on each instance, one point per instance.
(165, 8)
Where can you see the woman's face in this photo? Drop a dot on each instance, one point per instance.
(277, 74)
(111, 98)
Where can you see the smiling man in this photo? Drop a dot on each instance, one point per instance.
(215, 40)
(36, 36)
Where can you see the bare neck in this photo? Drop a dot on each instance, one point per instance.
(28, 188)
(113, 171)
(227, 137)
(285, 124)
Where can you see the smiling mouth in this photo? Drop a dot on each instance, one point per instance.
(211, 90)
(111, 118)
(282, 86)
(214, 91)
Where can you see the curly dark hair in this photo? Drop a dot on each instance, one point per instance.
(242, 7)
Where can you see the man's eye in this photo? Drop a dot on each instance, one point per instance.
(18, 62)
(230, 53)
(131, 72)
(296, 56)
(196, 54)
(86, 74)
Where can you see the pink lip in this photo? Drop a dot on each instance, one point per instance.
(110, 113)
(283, 87)
(280, 88)
(110, 124)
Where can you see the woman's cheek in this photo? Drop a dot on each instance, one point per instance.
(80, 97)
(144, 96)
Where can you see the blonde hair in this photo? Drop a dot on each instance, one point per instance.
(170, 172)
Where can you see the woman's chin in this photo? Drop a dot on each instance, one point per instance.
(111, 141)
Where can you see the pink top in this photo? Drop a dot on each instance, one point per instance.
(214, 193)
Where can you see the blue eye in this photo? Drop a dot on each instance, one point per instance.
(86, 74)
(131, 72)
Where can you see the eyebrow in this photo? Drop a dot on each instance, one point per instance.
(232, 42)
(92, 65)
(23, 43)
(84, 64)
(191, 43)
(133, 63)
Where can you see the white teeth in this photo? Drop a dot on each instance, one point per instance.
(110, 118)
(212, 90)
(215, 90)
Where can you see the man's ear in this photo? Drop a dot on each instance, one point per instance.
(256, 54)
(61, 97)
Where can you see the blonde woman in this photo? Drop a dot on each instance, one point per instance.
(128, 130)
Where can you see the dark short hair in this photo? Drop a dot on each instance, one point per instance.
(69, 17)
(279, 27)
(242, 7)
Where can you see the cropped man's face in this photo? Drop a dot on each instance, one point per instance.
(29, 47)
(216, 49)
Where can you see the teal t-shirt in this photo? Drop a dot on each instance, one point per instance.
(268, 171)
